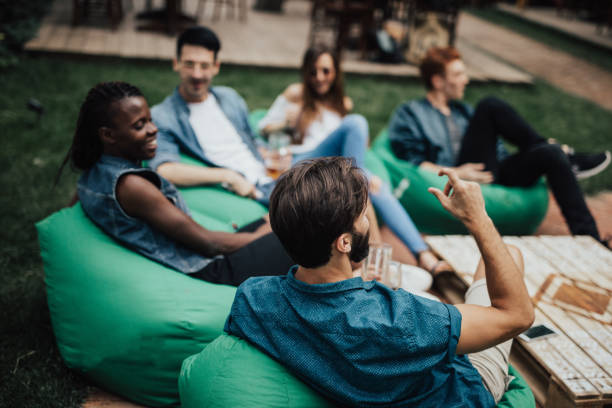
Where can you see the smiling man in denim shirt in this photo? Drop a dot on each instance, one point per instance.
(361, 343)
(207, 123)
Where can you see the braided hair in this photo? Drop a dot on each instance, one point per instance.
(95, 113)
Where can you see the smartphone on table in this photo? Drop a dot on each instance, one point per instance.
(537, 332)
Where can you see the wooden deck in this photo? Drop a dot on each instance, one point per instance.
(570, 282)
(264, 39)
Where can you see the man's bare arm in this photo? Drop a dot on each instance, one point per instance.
(141, 199)
(511, 311)
(187, 175)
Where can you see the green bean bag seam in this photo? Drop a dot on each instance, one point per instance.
(514, 210)
(247, 385)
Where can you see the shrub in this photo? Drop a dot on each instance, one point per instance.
(19, 21)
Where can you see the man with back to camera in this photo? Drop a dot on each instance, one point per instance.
(207, 123)
(440, 130)
(361, 343)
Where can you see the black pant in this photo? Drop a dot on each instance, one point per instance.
(263, 257)
(494, 117)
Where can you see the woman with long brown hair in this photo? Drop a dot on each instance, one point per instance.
(315, 113)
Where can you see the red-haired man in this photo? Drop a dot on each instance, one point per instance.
(441, 131)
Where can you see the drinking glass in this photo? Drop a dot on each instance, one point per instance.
(393, 278)
(376, 264)
(278, 157)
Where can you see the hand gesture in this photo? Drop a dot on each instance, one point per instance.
(474, 172)
(461, 198)
(239, 185)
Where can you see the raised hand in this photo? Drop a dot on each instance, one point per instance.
(463, 199)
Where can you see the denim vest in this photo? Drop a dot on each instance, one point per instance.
(97, 193)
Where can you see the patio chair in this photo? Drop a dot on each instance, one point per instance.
(339, 16)
(85, 8)
(229, 5)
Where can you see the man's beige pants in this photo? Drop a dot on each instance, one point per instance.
(492, 363)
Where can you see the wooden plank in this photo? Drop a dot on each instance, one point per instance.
(554, 361)
(600, 332)
(537, 270)
(564, 265)
(562, 276)
(76, 39)
(96, 41)
(99, 398)
(460, 251)
(597, 353)
(58, 38)
(587, 300)
(588, 264)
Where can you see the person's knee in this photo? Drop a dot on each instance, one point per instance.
(490, 103)
(358, 125)
(551, 155)
(517, 257)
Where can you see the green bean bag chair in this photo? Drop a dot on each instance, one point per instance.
(230, 372)
(122, 320)
(219, 203)
(514, 210)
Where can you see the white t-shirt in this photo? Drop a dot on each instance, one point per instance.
(221, 142)
(324, 123)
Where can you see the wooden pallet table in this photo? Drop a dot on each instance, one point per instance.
(569, 280)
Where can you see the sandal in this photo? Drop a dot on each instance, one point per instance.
(434, 269)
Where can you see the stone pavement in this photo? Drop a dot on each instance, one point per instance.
(571, 74)
(549, 17)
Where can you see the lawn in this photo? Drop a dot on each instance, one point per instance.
(31, 371)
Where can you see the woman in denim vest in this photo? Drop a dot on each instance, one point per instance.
(315, 113)
(145, 212)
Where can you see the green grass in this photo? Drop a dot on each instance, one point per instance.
(31, 371)
(547, 35)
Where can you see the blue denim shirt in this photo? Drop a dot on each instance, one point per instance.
(360, 343)
(176, 135)
(97, 193)
(418, 132)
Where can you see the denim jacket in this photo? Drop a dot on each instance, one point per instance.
(176, 135)
(418, 132)
(97, 193)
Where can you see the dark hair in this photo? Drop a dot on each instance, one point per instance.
(335, 96)
(96, 112)
(313, 204)
(435, 61)
(198, 35)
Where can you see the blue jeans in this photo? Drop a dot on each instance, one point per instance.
(350, 139)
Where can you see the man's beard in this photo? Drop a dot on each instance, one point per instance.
(360, 246)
